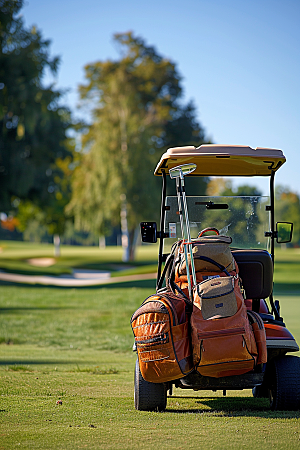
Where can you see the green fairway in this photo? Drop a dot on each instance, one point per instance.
(16, 257)
(287, 270)
(66, 370)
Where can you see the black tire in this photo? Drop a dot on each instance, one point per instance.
(284, 383)
(148, 396)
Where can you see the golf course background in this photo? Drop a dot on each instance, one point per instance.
(66, 363)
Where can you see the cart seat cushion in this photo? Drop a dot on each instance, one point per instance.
(256, 272)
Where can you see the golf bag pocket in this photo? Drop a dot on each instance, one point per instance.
(217, 297)
(222, 338)
(161, 330)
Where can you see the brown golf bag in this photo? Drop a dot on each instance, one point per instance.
(161, 330)
(223, 339)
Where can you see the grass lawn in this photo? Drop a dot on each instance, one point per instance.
(14, 258)
(73, 347)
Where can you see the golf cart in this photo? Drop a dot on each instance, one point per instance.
(250, 222)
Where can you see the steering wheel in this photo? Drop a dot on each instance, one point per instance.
(209, 229)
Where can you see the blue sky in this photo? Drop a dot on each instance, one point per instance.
(239, 59)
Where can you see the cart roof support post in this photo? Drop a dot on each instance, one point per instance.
(162, 225)
(273, 233)
(272, 200)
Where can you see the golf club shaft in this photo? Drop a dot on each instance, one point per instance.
(179, 190)
(186, 214)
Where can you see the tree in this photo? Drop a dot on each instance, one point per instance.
(136, 115)
(245, 216)
(287, 209)
(51, 216)
(33, 124)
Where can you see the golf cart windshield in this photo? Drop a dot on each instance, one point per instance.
(244, 218)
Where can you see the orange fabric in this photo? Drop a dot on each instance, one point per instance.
(225, 346)
(162, 338)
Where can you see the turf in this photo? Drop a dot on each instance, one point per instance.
(96, 411)
(14, 258)
(66, 370)
(287, 269)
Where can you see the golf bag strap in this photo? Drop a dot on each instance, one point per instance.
(175, 287)
(163, 274)
(222, 268)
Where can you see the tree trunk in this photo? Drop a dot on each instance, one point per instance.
(102, 243)
(56, 242)
(124, 229)
(123, 212)
(133, 236)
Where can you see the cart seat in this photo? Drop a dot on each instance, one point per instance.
(257, 305)
(256, 272)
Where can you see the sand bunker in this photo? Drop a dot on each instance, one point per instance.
(41, 262)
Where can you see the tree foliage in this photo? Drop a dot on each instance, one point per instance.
(287, 203)
(136, 114)
(287, 209)
(33, 123)
(245, 217)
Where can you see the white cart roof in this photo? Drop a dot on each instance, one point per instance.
(223, 160)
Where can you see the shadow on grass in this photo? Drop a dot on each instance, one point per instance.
(149, 284)
(113, 266)
(38, 362)
(233, 407)
(287, 289)
(59, 268)
(22, 309)
(286, 261)
(292, 289)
